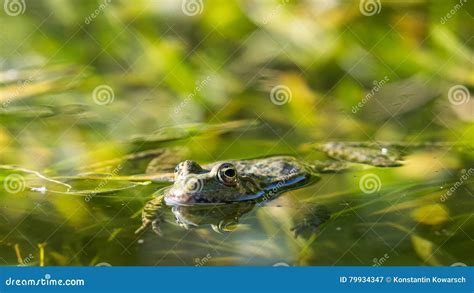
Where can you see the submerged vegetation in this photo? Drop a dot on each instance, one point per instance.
(100, 101)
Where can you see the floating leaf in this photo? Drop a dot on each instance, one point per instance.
(430, 253)
(424, 249)
(381, 156)
(410, 204)
(193, 129)
(434, 214)
(27, 112)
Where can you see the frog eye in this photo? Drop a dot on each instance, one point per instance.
(227, 174)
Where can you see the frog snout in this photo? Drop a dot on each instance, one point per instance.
(185, 191)
(189, 167)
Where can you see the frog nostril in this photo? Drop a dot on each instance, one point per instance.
(191, 166)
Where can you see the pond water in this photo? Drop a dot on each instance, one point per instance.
(419, 213)
(92, 95)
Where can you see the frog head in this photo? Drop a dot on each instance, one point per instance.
(194, 184)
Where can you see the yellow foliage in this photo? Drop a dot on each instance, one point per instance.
(434, 214)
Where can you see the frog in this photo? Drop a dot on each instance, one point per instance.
(226, 183)
(235, 180)
(197, 188)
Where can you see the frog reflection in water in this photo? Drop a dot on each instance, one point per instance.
(222, 183)
(234, 187)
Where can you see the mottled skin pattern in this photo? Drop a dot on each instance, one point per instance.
(201, 185)
(195, 185)
(375, 156)
(255, 180)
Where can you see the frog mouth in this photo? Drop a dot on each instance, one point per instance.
(187, 199)
(179, 198)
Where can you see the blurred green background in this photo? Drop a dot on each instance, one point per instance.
(92, 81)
